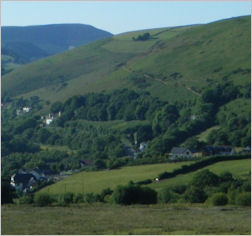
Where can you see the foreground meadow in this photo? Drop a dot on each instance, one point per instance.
(135, 219)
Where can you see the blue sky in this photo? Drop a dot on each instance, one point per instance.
(120, 16)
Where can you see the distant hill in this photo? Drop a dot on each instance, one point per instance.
(25, 44)
(173, 64)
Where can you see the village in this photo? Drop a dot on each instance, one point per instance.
(25, 181)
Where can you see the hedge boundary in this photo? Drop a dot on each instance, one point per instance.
(195, 166)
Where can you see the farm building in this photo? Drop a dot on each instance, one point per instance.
(22, 181)
(218, 150)
(182, 152)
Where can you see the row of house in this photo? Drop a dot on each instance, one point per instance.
(184, 152)
(50, 118)
(23, 110)
(25, 181)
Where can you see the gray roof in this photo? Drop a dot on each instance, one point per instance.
(181, 150)
(23, 178)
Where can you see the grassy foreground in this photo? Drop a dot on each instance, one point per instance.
(114, 219)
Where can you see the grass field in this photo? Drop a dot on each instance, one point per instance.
(113, 219)
(196, 52)
(96, 181)
(239, 168)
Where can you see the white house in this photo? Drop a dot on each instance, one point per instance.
(49, 121)
(142, 146)
(26, 109)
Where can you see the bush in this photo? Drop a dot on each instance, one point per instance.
(246, 186)
(232, 196)
(226, 176)
(243, 199)
(180, 189)
(26, 199)
(195, 195)
(43, 199)
(79, 197)
(134, 194)
(104, 194)
(205, 178)
(90, 198)
(219, 199)
(65, 198)
(166, 196)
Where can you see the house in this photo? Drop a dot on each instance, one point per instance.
(218, 150)
(26, 109)
(142, 146)
(22, 181)
(39, 174)
(86, 162)
(246, 150)
(182, 152)
(49, 121)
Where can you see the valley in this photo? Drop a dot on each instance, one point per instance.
(161, 113)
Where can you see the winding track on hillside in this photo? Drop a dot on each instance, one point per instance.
(124, 67)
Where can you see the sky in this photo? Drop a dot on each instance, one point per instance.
(120, 16)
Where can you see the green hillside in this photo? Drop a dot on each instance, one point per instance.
(175, 63)
(166, 87)
(238, 168)
(98, 180)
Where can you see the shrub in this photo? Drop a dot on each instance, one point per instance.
(133, 194)
(104, 193)
(243, 199)
(90, 198)
(166, 196)
(65, 198)
(43, 199)
(226, 176)
(26, 199)
(195, 194)
(205, 178)
(219, 199)
(246, 186)
(232, 196)
(79, 197)
(180, 189)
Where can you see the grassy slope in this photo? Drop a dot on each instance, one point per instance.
(98, 180)
(238, 168)
(112, 220)
(202, 54)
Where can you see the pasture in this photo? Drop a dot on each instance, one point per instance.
(96, 181)
(135, 219)
(239, 168)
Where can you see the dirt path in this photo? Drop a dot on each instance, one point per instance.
(161, 81)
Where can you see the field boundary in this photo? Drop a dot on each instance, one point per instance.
(194, 166)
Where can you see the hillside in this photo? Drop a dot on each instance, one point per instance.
(167, 87)
(174, 61)
(25, 44)
(98, 180)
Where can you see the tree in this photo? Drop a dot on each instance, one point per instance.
(7, 192)
(56, 107)
(134, 194)
(205, 178)
(100, 164)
